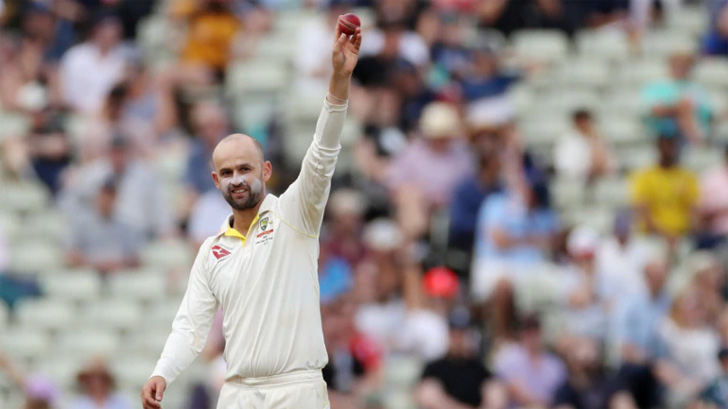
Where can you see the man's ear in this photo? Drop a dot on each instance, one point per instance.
(267, 171)
(216, 179)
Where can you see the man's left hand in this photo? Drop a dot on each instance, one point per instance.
(346, 52)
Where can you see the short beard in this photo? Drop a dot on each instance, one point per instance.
(250, 202)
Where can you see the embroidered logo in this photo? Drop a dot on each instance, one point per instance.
(220, 252)
(265, 223)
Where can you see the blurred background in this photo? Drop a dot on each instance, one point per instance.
(530, 209)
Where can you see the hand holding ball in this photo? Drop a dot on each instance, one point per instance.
(348, 23)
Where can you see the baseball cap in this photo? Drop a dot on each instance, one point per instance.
(440, 120)
(441, 282)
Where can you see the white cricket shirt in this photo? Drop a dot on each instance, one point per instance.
(267, 282)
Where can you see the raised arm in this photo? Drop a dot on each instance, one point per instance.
(304, 202)
(190, 330)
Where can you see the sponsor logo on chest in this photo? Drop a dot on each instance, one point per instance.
(266, 230)
(220, 252)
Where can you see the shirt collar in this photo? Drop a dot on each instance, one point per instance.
(227, 230)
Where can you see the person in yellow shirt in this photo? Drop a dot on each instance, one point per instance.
(212, 28)
(665, 194)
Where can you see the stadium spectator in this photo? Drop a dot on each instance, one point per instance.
(140, 204)
(97, 386)
(507, 16)
(715, 42)
(39, 391)
(664, 195)
(449, 51)
(708, 276)
(714, 394)
(346, 216)
(468, 197)
(513, 237)
(210, 123)
(582, 154)
(99, 240)
(211, 34)
(89, 70)
(589, 385)
(621, 258)
(423, 177)
(637, 321)
(458, 380)
(587, 307)
(690, 347)
(530, 372)
(713, 205)
(50, 151)
(208, 213)
(679, 107)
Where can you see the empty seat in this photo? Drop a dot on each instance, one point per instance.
(622, 130)
(25, 342)
(624, 100)
(148, 341)
(603, 44)
(52, 223)
(138, 286)
(598, 218)
(567, 101)
(545, 45)
(584, 72)
(73, 284)
(612, 192)
(13, 124)
(24, 196)
(61, 368)
(37, 256)
(567, 193)
(10, 225)
(259, 76)
(635, 73)
(168, 254)
(636, 158)
(701, 159)
(132, 371)
(113, 313)
(712, 72)
(663, 43)
(87, 342)
(46, 313)
(691, 20)
(4, 316)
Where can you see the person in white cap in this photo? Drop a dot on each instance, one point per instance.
(262, 270)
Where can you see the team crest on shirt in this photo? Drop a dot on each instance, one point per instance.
(266, 230)
(219, 251)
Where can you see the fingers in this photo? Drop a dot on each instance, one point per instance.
(161, 386)
(339, 45)
(148, 398)
(338, 30)
(356, 39)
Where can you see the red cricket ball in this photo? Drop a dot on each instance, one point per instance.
(348, 23)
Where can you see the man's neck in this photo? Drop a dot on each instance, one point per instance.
(243, 218)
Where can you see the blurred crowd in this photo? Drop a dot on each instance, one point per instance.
(442, 248)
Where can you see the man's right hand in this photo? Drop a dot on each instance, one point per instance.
(153, 392)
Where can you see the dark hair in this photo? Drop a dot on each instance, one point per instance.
(581, 114)
(541, 194)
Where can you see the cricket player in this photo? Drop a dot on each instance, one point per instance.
(262, 269)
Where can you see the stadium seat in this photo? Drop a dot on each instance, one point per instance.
(51, 223)
(711, 72)
(690, 20)
(663, 43)
(601, 44)
(622, 129)
(61, 368)
(701, 159)
(544, 45)
(13, 125)
(164, 254)
(402, 371)
(4, 316)
(88, 342)
(148, 341)
(11, 225)
(24, 197)
(636, 158)
(46, 314)
(598, 218)
(612, 192)
(290, 22)
(522, 96)
(567, 193)
(35, 256)
(256, 77)
(138, 286)
(25, 343)
(635, 73)
(623, 101)
(132, 372)
(568, 100)
(116, 313)
(74, 284)
(583, 72)
(718, 101)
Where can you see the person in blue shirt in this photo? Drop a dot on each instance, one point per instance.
(512, 239)
(716, 41)
(637, 319)
(468, 197)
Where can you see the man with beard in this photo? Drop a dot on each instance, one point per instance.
(262, 269)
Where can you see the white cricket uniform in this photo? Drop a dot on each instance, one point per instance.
(267, 285)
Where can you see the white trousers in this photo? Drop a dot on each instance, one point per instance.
(297, 390)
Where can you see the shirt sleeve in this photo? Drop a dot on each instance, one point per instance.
(304, 201)
(638, 189)
(191, 326)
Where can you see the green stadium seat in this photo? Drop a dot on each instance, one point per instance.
(688, 19)
(138, 286)
(544, 45)
(84, 343)
(116, 313)
(11, 225)
(567, 193)
(583, 72)
(24, 197)
(635, 73)
(663, 43)
(149, 340)
(46, 314)
(39, 256)
(612, 192)
(603, 45)
(167, 254)
(260, 76)
(60, 368)
(402, 371)
(636, 158)
(568, 100)
(22, 343)
(4, 317)
(711, 72)
(701, 159)
(74, 284)
(13, 125)
(622, 130)
(132, 371)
